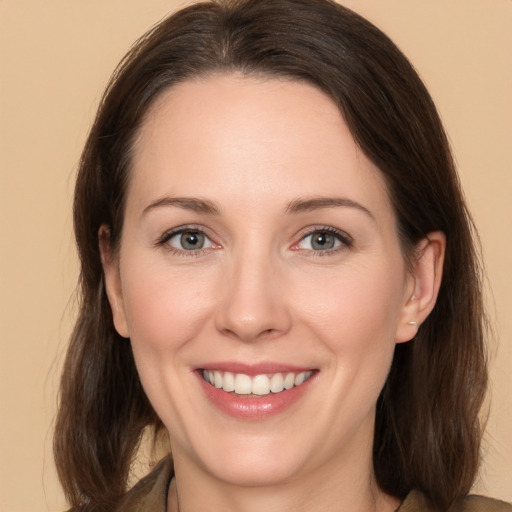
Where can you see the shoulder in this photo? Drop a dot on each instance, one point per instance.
(482, 504)
(416, 502)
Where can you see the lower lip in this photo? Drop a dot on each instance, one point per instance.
(253, 407)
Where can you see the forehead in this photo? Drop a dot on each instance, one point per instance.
(248, 137)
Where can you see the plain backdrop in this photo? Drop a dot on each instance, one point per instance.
(55, 59)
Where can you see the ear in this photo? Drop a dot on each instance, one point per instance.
(112, 281)
(423, 285)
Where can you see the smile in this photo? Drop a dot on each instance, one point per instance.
(264, 384)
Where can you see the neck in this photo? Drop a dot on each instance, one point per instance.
(269, 501)
(336, 487)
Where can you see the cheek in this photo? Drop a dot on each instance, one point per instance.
(166, 310)
(354, 313)
(354, 307)
(165, 307)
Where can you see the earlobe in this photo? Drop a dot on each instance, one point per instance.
(425, 281)
(112, 280)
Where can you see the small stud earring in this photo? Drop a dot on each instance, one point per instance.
(413, 323)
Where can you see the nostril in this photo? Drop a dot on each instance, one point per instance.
(252, 313)
(246, 335)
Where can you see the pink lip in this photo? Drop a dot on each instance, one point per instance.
(253, 407)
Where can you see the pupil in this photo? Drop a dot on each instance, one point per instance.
(191, 240)
(323, 241)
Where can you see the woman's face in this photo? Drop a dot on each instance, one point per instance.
(259, 249)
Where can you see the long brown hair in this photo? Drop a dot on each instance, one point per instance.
(427, 432)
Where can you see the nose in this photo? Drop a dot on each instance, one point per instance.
(253, 303)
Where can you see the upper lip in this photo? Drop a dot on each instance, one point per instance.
(253, 369)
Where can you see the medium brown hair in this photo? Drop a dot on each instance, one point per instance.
(427, 432)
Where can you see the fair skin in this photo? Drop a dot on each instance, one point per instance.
(259, 239)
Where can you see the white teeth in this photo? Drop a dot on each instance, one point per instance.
(229, 382)
(299, 378)
(276, 383)
(243, 384)
(289, 381)
(262, 384)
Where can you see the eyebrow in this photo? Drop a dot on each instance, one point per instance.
(302, 205)
(318, 203)
(186, 203)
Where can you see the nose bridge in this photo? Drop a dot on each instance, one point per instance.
(252, 304)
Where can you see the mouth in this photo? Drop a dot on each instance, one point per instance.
(255, 392)
(257, 385)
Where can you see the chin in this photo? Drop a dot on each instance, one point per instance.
(258, 472)
(250, 461)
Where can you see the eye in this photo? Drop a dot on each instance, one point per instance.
(324, 240)
(188, 240)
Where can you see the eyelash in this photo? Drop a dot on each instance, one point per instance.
(345, 240)
(168, 235)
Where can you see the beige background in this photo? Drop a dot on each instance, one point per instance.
(55, 58)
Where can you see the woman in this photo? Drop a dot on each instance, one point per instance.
(278, 270)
